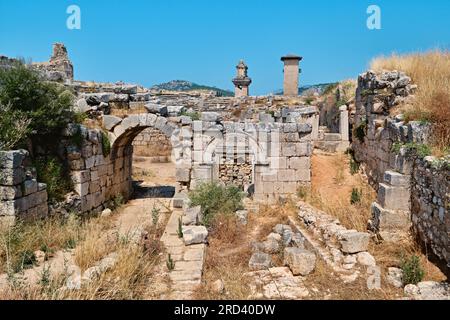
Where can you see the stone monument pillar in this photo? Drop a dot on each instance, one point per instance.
(291, 74)
(242, 81)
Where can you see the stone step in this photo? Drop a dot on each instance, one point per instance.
(396, 179)
(393, 198)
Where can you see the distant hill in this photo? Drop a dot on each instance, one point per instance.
(308, 89)
(182, 85)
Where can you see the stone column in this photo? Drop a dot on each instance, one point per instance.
(344, 123)
(291, 74)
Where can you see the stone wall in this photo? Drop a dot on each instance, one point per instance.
(21, 196)
(412, 190)
(430, 204)
(152, 143)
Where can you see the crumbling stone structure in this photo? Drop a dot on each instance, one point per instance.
(20, 193)
(413, 192)
(59, 67)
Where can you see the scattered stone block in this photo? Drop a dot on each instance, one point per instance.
(354, 242)
(194, 235)
(300, 261)
(395, 277)
(191, 216)
(260, 261)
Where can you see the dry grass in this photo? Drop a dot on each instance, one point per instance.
(49, 235)
(351, 216)
(431, 72)
(140, 174)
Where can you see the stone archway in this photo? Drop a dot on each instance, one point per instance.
(122, 132)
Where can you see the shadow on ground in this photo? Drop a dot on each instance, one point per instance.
(142, 191)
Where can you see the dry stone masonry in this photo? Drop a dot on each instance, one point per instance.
(413, 189)
(20, 194)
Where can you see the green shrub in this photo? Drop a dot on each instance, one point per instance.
(180, 228)
(412, 148)
(354, 166)
(47, 105)
(170, 263)
(302, 192)
(106, 144)
(413, 272)
(356, 196)
(360, 132)
(51, 171)
(14, 127)
(193, 115)
(215, 198)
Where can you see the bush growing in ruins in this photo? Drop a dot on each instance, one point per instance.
(413, 272)
(51, 172)
(14, 127)
(413, 149)
(360, 131)
(47, 105)
(215, 198)
(106, 144)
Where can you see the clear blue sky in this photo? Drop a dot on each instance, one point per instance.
(154, 41)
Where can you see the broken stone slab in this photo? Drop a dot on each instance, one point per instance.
(109, 122)
(260, 261)
(210, 116)
(300, 261)
(428, 290)
(354, 242)
(194, 235)
(271, 246)
(191, 216)
(157, 109)
(183, 175)
(179, 200)
(395, 277)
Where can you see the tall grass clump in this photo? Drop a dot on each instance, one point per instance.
(430, 71)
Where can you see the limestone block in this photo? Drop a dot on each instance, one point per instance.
(109, 122)
(393, 198)
(12, 159)
(303, 149)
(29, 187)
(183, 175)
(303, 175)
(287, 175)
(390, 219)
(210, 117)
(11, 177)
(94, 186)
(10, 207)
(179, 199)
(396, 179)
(81, 189)
(260, 261)
(304, 128)
(90, 162)
(278, 162)
(157, 109)
(300, 163)
(191, 216)
(288, 149)
(300, 261)
(354, 242)
(131, 121)
(290, 187)
(290, 127)
(10, 192)
(194, 235)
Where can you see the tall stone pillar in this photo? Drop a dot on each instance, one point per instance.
(343, 123)
(291, 74)
(242, 81)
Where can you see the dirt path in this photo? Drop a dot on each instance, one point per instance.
(331, 176)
